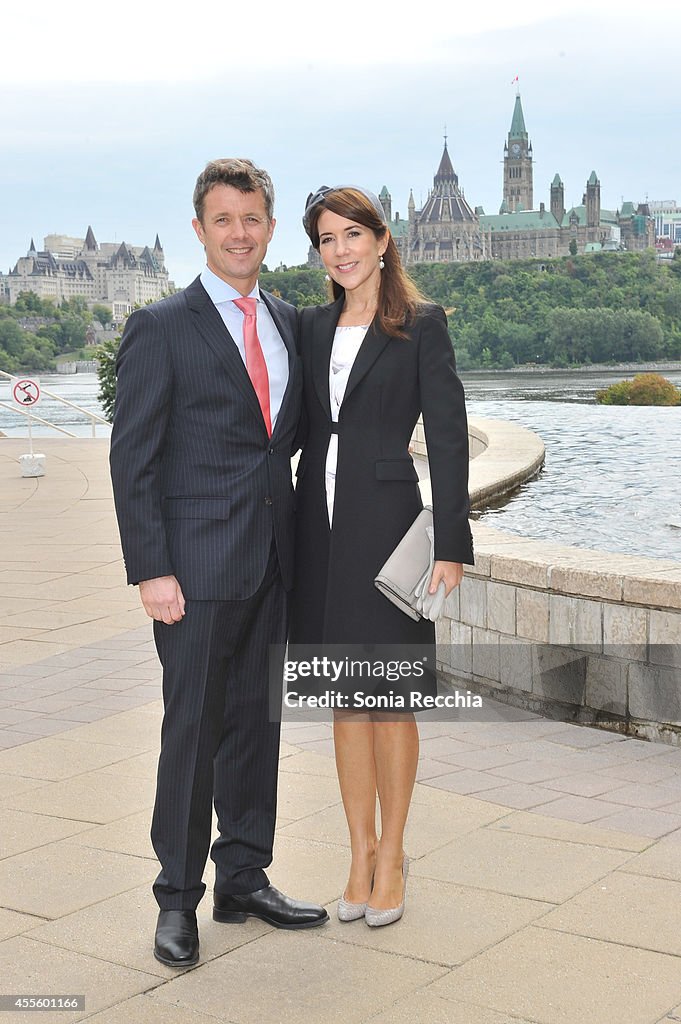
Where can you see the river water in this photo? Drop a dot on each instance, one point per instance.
(612, 478)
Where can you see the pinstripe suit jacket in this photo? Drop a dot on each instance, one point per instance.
(199, 486)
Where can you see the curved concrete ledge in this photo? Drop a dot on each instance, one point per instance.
(503, 456)
(508, 455)
(590, 636)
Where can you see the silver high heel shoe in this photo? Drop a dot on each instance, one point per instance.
(350, 911)
(376, 918)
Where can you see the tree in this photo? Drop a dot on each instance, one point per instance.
(102, 313)
(573, 247)
(106, 355)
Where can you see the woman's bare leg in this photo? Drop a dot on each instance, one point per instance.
(353, 735)
(396, 752)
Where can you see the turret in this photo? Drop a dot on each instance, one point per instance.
(558, 198)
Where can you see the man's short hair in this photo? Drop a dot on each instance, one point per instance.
(237, 172)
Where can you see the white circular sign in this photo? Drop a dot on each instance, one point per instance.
(25, 392)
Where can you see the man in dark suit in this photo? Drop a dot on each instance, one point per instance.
(208, 399)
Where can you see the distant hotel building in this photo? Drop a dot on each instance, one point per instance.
(114, 274)
(667, 216)
(448, 229)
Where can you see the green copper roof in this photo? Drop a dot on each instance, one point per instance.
(384, 192)
(607, 216)
(518, 130)
(593, 179)
(556, 183)
(504, 206)
(526, 220)
(399, 228)
(627, 210)
(593, 247)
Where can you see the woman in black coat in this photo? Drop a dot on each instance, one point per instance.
(373, 361)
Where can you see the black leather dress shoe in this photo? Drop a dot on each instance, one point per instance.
(177, 938)
(269, 905)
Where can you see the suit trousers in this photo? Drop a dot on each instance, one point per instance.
(218, 744)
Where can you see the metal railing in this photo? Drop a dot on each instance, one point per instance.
(94, 417)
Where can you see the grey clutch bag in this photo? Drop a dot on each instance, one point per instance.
(405, 577)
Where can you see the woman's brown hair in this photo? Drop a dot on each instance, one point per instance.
(398, 296)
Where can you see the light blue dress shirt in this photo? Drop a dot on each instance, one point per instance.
(274, 349)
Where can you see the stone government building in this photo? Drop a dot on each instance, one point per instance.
(114, 274)
(448, 229)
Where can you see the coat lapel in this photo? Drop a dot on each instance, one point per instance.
(373, 344)
(211, 327)
(327, 317)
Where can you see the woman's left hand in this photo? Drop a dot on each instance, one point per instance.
(449, 572)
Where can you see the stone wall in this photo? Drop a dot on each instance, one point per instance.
(590, 636)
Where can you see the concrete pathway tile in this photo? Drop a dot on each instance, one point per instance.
(79, 714)
(661, 860)
(323, 747)
(649, 771)
(673, 1017)
(530, 823)
(12, 923)
(304, 762)
(287, 750)
(519, 865)
(63, 877)
(645, 795)
(128, 835)
(20, 830)
(642, 820)
(635, 910)
(425, 1007)
(529, 771)
(11, 784)
(121, 931)
(444, 746)
(11, 739)
(57, 758)
(309, 870)
(556, 978)
(464, 781)
(579, 808)
(90, 797)
(302, 795)
(27, 966)
(585, 784)
(22, 652)
(144, 1010)
(305, 732)
(140, 766)
(520, 796)
(482, 759)
(585, 737)
(39, 727)
(317, 979)
(325, 826)
(443, 923)
(429, 769)
(127, 729)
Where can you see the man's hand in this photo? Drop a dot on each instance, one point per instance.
(163, 599)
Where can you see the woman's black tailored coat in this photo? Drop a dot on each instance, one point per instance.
(393, 381)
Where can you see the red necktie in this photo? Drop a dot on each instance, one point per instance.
(255, 360)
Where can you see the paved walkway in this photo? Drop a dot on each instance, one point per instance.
(545, 882)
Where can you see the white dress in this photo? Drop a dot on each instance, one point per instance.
(346, 345)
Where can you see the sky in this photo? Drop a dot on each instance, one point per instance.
(109, 114)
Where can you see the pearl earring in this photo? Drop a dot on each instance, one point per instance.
(381, 263)
(326, 277)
